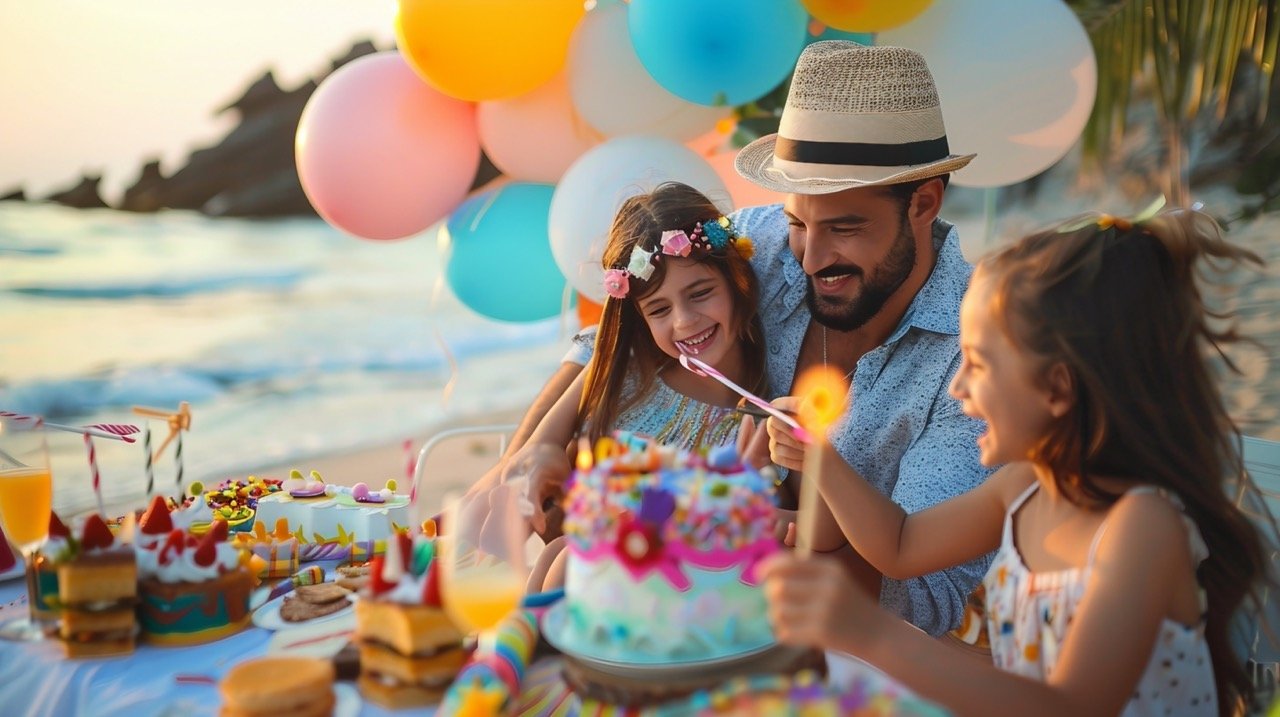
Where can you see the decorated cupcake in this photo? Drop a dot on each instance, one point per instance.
(193, 589)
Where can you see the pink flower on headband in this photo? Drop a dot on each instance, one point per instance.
(676, 243)
(616, 283)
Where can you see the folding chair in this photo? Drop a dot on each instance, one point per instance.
(502, 432)
(1260, 648)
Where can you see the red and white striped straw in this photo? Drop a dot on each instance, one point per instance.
(117, 431)
(97, 476)
(410, 468)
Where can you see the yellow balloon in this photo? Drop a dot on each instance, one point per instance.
(865, 15)
(486, 49)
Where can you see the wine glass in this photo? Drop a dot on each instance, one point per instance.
(26, 501)
(484, 559)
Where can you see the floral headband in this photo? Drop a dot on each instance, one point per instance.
(712, 237)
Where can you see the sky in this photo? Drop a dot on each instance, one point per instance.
(102, 86)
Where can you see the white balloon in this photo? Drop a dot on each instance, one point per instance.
(615, 94)
(1016, 78)
(589, 194)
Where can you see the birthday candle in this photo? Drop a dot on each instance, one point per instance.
(177, 457)
(822, 391)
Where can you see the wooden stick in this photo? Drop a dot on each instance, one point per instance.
(823, 393)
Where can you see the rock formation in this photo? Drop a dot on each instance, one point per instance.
(84, 195)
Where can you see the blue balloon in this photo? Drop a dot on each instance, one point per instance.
(717, 52)
(500, 263)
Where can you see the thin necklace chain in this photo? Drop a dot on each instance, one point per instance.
(847, 376)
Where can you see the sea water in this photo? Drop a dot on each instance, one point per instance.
(288, 338)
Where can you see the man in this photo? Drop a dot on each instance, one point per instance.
(857, 272)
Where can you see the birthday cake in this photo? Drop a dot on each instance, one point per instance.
(97, 585)
(193, 589)
(663, 549)
(320, 513)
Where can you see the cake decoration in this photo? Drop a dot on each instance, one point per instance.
(278, 549)
(657, 536)
(335, 515)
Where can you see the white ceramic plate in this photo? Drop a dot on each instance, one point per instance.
(268, 617)
(314, 638)
(553, 625)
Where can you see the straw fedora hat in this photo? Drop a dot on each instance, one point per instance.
(855, 116)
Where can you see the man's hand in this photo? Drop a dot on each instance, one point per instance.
(543, 468)
(753, 443)
(784, 448)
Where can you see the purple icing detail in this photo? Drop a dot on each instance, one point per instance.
(369, 498)
(656, 505)
(304, 493)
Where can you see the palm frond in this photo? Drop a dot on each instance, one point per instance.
(1188, 51)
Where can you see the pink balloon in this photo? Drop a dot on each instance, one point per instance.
(382, 155)
(536, 136)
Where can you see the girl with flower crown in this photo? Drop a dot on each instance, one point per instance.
(1121, 557)
(677, 281)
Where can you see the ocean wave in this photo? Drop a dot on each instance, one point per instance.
(229, 370)
(30, 250)
(164, 286)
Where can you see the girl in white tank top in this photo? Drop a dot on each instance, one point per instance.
(1120, 557)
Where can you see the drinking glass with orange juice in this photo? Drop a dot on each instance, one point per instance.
(26, 501)
(484, 561)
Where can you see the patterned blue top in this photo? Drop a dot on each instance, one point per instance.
(902, 432)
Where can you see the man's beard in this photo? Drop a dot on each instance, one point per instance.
(841, 314)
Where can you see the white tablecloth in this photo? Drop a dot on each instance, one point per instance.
(36, 679)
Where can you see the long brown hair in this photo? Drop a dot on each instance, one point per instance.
(623, 336)
(1120, 306)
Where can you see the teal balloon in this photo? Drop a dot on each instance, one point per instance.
(717, 52)
(500, 263)
(862, 38)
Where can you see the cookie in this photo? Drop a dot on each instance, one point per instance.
(296, 609)
(355, 571)
(322, 593)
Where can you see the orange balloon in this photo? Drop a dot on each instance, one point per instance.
(865, 15)
(486, 49)
(588, 311)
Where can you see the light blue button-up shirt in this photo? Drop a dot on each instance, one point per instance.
(902, 432)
